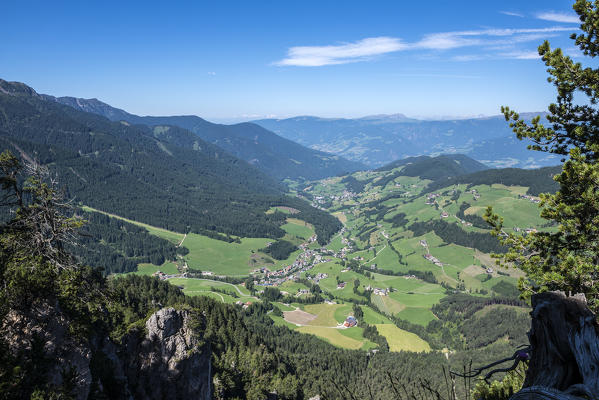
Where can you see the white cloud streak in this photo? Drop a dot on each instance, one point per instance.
(559, 17)
(467, 57)
(316, 56)
(511, 14)
(520, 55)
(365, 49)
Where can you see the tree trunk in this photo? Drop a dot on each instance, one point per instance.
(564, 339)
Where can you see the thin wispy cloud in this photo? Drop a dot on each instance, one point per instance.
(365, 49)
(316, 56)
(468, 57)
(521, 55)
(559, 17)
(487, 37)
(512, 14)
(514, 54)
(446, 41)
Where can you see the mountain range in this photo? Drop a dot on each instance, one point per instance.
(278, 157)
(380, 139)
(164, 176)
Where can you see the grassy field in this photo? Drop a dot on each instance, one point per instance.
(284, 307)
(341, 217)
(336, 337)
(417, 315)
(168, 267)
(342, 312)
(372, 317)
(387, 305)
(220, 257)
(400, 340)
(292, 287)
(325, 314)
(282, 209)
(336, 244)
(357, 333)
(298, 228)
(200, 286)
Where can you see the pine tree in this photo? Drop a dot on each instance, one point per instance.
(565, 259)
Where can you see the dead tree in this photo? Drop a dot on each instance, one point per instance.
(564, 342)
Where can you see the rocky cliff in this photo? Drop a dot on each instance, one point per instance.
(167, 359)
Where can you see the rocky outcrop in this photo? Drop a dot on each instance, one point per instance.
(171, 361)
(167, 360)
(43, 331)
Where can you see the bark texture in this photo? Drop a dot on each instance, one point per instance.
(564, 339)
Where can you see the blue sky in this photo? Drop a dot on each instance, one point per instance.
(228, 61)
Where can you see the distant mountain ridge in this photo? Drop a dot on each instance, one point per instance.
(380, 139)
(279, 157)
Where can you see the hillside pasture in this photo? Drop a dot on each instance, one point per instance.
(298, 228)
(372, 317)
(194, 287)
(298, 317)
(325, 314)
(333, 336)
(207, 254)
(400, 340)
(168, 267)
(417, 315)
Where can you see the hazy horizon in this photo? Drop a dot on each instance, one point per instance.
(235, 61)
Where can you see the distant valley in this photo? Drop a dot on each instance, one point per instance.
(301, 248)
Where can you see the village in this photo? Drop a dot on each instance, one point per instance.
(306, 260)
(532, 199)
(346, 195)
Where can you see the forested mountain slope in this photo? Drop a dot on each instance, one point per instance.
(181, 183)
(434, 168)
(537, 180)
(278, 157)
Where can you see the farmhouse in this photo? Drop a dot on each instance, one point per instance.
(160, 275)
(350, 321)
(433, 259)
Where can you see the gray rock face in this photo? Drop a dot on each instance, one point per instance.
(171, 362)
(168, 361)
(45, 324)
